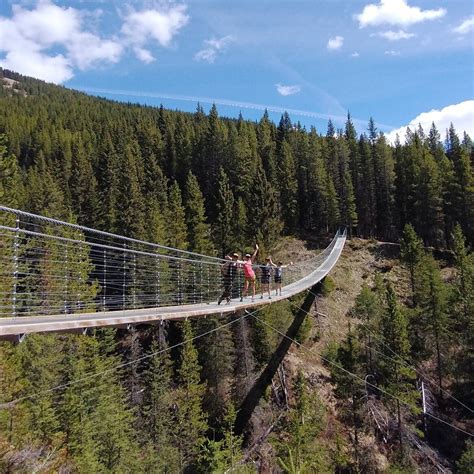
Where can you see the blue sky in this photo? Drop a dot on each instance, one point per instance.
(399, 61)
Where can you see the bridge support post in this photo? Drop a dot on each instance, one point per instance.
(256, 392)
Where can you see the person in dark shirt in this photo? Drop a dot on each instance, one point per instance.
(278, 275)
(229, 271)
(265, 274)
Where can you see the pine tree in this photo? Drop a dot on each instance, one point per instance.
(212, 159)
(288, 187)
(432, 300)
(397, 377)
(267, 146)
(462, 316)
(217, 357)
(11, 195)
(190, 424)
(199, 237)
(96, 418)
(366, 199)
(240, 226)
(263, 216)
(11, 186)
(108, 183)
(224, 453)
(384, 184)
(347, 206)
(411, 253)
(304, 422)
(83, 185)
(429, 205)
(40, 360)
(225, 210)
(354, 156)
(158, 402)
(347, 387)
(367, 308)
(176, 219)
(131, 215)
(462, 195)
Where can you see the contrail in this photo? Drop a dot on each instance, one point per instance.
(231, 103)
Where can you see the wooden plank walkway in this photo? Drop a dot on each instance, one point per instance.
(14, 327)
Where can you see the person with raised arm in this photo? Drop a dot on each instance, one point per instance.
(249, 274)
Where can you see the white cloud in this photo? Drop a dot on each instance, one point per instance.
(50, 42)
(144, 55)
(392, 52)
(86, 50)
(335, 43)
(30, 38)
(287, 90)
(140, 27)
(394, 35)
(460, 115)
(32, 63)
(466, 26)
(355, 54)
(395, 12)
(211, 47)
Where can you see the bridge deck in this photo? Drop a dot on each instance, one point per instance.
(10, 327)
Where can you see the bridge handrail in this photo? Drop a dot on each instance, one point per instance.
(81, 228)
(103, 246)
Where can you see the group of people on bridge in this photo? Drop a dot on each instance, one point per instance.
(233, 264)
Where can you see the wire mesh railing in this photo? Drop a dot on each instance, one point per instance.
(51, 267)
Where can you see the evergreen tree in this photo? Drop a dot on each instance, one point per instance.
(240, 227)
(288, 187)
(462, 195)
(225, 210)
(109, 185)
(367, 308)
(263, 216)
(347, 206)
(366, 199)
(11, 186)
(347, 387)
(304, 422)
(411, 253)
(11, 195)
(83, 185)
(224, 453)
(267, 146)
(131, 215)
(397, 377)
(384, 183)
(462, 316)
(176, 219)
(199, 237)
(190, 422)
(214, 141)
(428, 201)
(432, 300)
(216, 357)
(158, 403)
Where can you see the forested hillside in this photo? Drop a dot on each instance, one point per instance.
(164, 398)
(129, 168)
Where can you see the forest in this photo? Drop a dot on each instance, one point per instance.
(143, 401)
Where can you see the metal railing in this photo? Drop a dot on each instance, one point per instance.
(51, 267)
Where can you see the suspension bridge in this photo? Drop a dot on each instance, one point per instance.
(59, 276)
